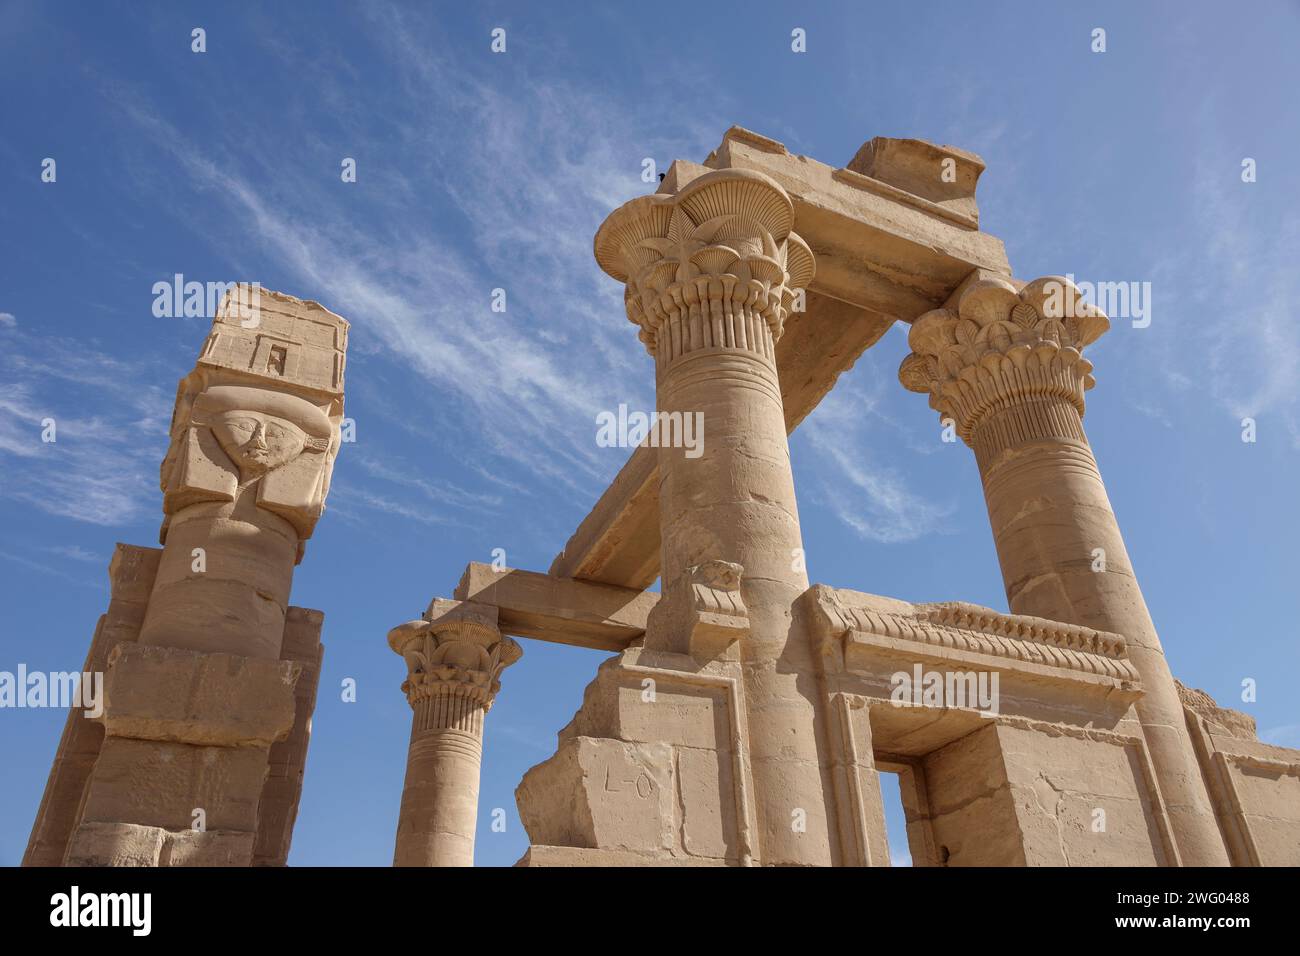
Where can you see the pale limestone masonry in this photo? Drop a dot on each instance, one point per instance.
(746, 713)
(210, 674)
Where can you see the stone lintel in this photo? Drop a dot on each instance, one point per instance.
(883, 254)
(887, 232)
(871, 637)
(560, 610)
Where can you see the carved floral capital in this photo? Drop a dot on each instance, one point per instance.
(701, 263)
(456, 650)
(1002, 348)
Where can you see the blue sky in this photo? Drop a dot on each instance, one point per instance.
(476, 430)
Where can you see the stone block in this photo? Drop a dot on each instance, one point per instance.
(115, 844)
(208, 848)
(165, 693)
(160, 783)
(601, 793)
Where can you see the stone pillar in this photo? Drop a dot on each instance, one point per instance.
(454, 658)
(193, 708)
(278, 809)
(1006, 367)
(711, 275)
(131, 573)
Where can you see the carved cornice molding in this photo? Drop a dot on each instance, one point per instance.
(456, 650)
(714, 266)
(969, 627)
(1002, 350)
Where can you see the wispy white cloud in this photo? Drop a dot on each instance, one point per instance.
(83, 580)
(869, 496)
(345, 498)
(531, 168)
(441, 492)
(1224, 296)
(99, 468)
(73, 552)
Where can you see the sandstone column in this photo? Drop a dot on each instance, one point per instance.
(454, 658)
(194, 706)
(1006, 368)
(711, 275)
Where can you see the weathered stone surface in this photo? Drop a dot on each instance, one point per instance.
(197, 685)
(208, 848)
(166, 693)
(115, 844)
(131, 572)
(601, 793)
(278, 808)
(570, 856)
(1222, 721)
(158, 783)
(129, 844)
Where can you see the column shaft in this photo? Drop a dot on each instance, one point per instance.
(712, 272)
(236, 603)
(736, 502)
(194, 706)
(1050, 514)
(1007, 368)
(454, 658)
(439, 810)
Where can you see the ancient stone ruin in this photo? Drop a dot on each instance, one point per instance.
(745, 712)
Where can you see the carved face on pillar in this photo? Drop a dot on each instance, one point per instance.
(240, 437)
(259, 443)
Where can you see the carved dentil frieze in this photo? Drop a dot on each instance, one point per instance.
(969, 627)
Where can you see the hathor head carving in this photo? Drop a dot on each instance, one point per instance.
(235, 437)
(260, 430)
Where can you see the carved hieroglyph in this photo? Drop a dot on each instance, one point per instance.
(202, 691)
(454, 659)
(1007, 368)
